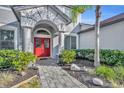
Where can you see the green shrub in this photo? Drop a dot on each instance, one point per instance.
(119, 70)
(23, 60)
(114, 74)
(68, 56)
(4, 63)
(109, 57)
(106, 72)
(14, 59)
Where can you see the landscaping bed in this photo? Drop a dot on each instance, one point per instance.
(86, 77)
(11, 78)
(79, 64)
(15, 67)
(33, 83)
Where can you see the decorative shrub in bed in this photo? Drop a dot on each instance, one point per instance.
(113, 74)
(16, 60)
(106, 72)
(119, 71)
(68, 56)
(109, 57)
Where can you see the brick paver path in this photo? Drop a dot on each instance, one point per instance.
(56, 77)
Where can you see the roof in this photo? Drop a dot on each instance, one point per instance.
(81, 26)
(107, 22)
(6, 15)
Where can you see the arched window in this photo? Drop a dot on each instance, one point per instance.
(42, 32)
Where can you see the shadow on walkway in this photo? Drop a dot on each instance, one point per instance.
(47, 62)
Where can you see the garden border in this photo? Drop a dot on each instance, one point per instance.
(25, 81)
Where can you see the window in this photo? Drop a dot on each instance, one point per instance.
(73, 42)
(42, 32)
(46, 43)
(6, 39)
(67, 42)
(70, 42)
(38, 42)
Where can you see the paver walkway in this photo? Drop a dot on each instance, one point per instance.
(53, 76)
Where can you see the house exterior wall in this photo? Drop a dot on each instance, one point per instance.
(8, 21)
(87, 40)
(111, 37)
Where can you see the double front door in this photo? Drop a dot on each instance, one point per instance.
(42, 47)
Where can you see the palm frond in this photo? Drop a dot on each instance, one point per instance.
(78, 9)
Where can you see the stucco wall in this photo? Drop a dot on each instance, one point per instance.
(111, 37)
(8, 21)
(86, 40)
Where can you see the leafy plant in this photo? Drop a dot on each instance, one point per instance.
(107, 56)
(119, 70)
(16, 60)
(68, 56)
(114, 74)
(106, 72)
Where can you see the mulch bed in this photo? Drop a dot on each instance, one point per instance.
(86, 77)
(19, 78)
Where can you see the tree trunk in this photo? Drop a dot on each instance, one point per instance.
(97, 27)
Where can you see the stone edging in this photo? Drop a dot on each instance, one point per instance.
(25, 81)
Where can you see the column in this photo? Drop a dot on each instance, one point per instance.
(27, 37)
(59, 42)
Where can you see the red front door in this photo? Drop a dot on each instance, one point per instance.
(42, 47)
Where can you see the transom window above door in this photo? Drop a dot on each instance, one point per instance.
(6, 39)
(42, 32)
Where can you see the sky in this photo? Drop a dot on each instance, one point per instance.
(107, 11)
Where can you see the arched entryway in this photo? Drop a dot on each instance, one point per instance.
(45, 31)
(42, 43)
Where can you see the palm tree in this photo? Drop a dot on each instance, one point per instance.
(97, 27)
(76, 10)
